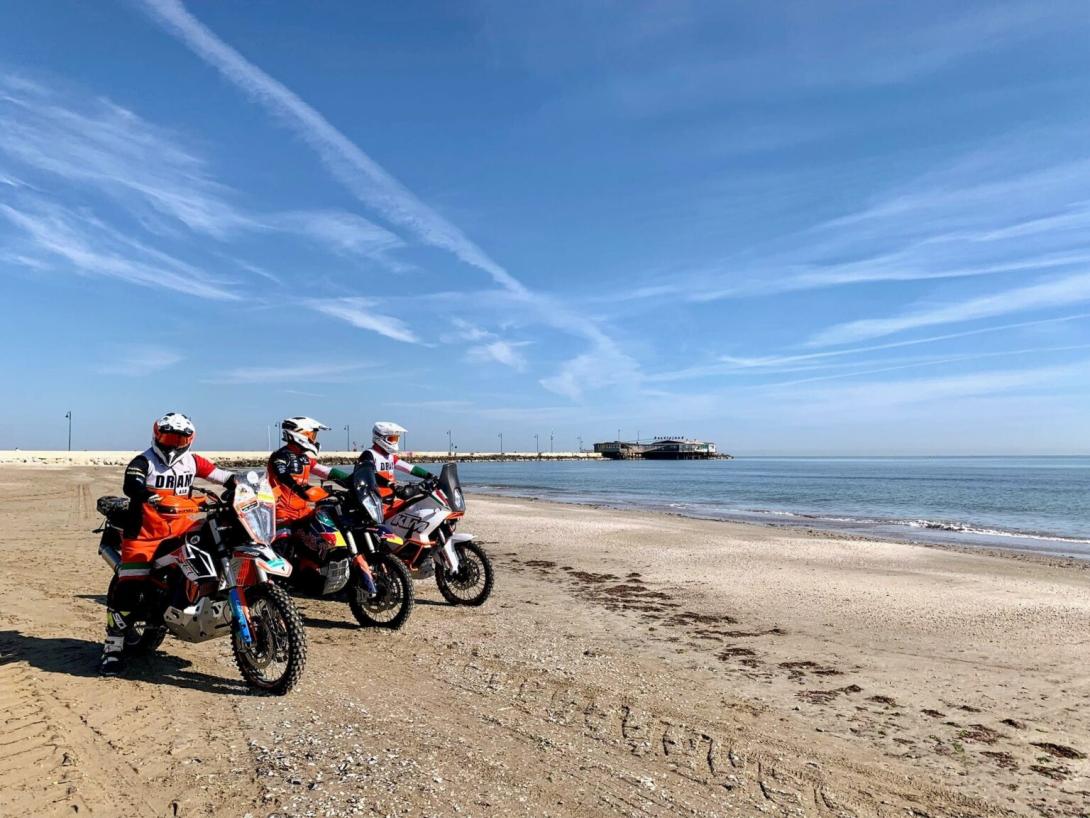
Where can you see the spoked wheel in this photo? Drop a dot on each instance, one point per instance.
(273, 662)
(471, 584)
(393, 600)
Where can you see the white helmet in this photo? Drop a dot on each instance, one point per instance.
(171, 436)
(387, 436)
(303, 432)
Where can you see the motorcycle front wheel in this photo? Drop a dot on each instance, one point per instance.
(274, 660)
(471, 584)
(393, 600)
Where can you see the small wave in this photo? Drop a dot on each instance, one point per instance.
(963, 528)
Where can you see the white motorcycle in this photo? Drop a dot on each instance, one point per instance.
(426, 515)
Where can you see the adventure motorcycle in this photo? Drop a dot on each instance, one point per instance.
(425, 514)
(215, 580)
(334, 552)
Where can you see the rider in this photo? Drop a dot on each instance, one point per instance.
(386, 439)
(166, 470)
(291, 466)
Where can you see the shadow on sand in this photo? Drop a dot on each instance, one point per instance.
(80, 657)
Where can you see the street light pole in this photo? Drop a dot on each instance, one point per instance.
(450, 444)
(537, 444)
(501, 442)
(347, 439)
(551, 442)
(68, 415)
(580, 439)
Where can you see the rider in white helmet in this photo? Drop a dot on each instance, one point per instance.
(291, 466)
(386, 442)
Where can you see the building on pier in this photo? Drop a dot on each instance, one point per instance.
(658, 448)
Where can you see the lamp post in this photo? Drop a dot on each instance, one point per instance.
(347, 439)
(450, 444)
(537, 444)
(501, 443)
(68, 415)
(551, 442)
(618, 435)
(580, 439)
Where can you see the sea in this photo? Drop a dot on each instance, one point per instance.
(1038, 504)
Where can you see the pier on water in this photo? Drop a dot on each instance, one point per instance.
(659, 448)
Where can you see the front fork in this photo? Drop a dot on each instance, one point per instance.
(448, 554)
(361, 563)
(239, 609)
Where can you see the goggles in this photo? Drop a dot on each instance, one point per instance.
(174, 440)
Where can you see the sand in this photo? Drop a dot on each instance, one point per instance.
(629, 664)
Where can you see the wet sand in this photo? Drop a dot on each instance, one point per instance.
(629, 664)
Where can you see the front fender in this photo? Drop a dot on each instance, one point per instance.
(461, 537)
(265, 558)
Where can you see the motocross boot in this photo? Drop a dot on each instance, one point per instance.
(113, 649)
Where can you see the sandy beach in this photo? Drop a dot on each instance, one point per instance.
(629, 664)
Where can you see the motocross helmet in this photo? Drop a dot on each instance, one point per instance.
(171, 436)
(387, 436)
(303, 432)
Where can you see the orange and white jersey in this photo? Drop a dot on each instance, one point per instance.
(151, 473)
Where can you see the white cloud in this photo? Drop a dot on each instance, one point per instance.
(869, 396)
(300, 374)
(1055, 293)
(358, 313)
(378, 189)
(143, 361)
(100, 144)
(153, 174)
(92, 247)
(488, 347)
(357, 171)
(501, 352)
(344, 233)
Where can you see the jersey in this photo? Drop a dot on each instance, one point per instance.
(289, 474)
(148, 476)
(386, 464)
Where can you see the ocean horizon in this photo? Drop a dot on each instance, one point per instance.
(1039, 504)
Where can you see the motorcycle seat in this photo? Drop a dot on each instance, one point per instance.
(114, 509)
(109, 505)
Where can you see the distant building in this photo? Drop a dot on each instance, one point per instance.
(658, 448)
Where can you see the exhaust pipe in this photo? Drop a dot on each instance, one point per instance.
(111, 556)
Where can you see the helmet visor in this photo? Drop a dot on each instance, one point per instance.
(394, 438)
(173, 440)
(310, 434)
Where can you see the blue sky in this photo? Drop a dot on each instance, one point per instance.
(848, 228)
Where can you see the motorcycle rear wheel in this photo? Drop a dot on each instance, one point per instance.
(391, 606)
(273, 662)
(471, 585)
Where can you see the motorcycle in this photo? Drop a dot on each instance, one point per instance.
(216, 580)
(426, 515)
(328, 559)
